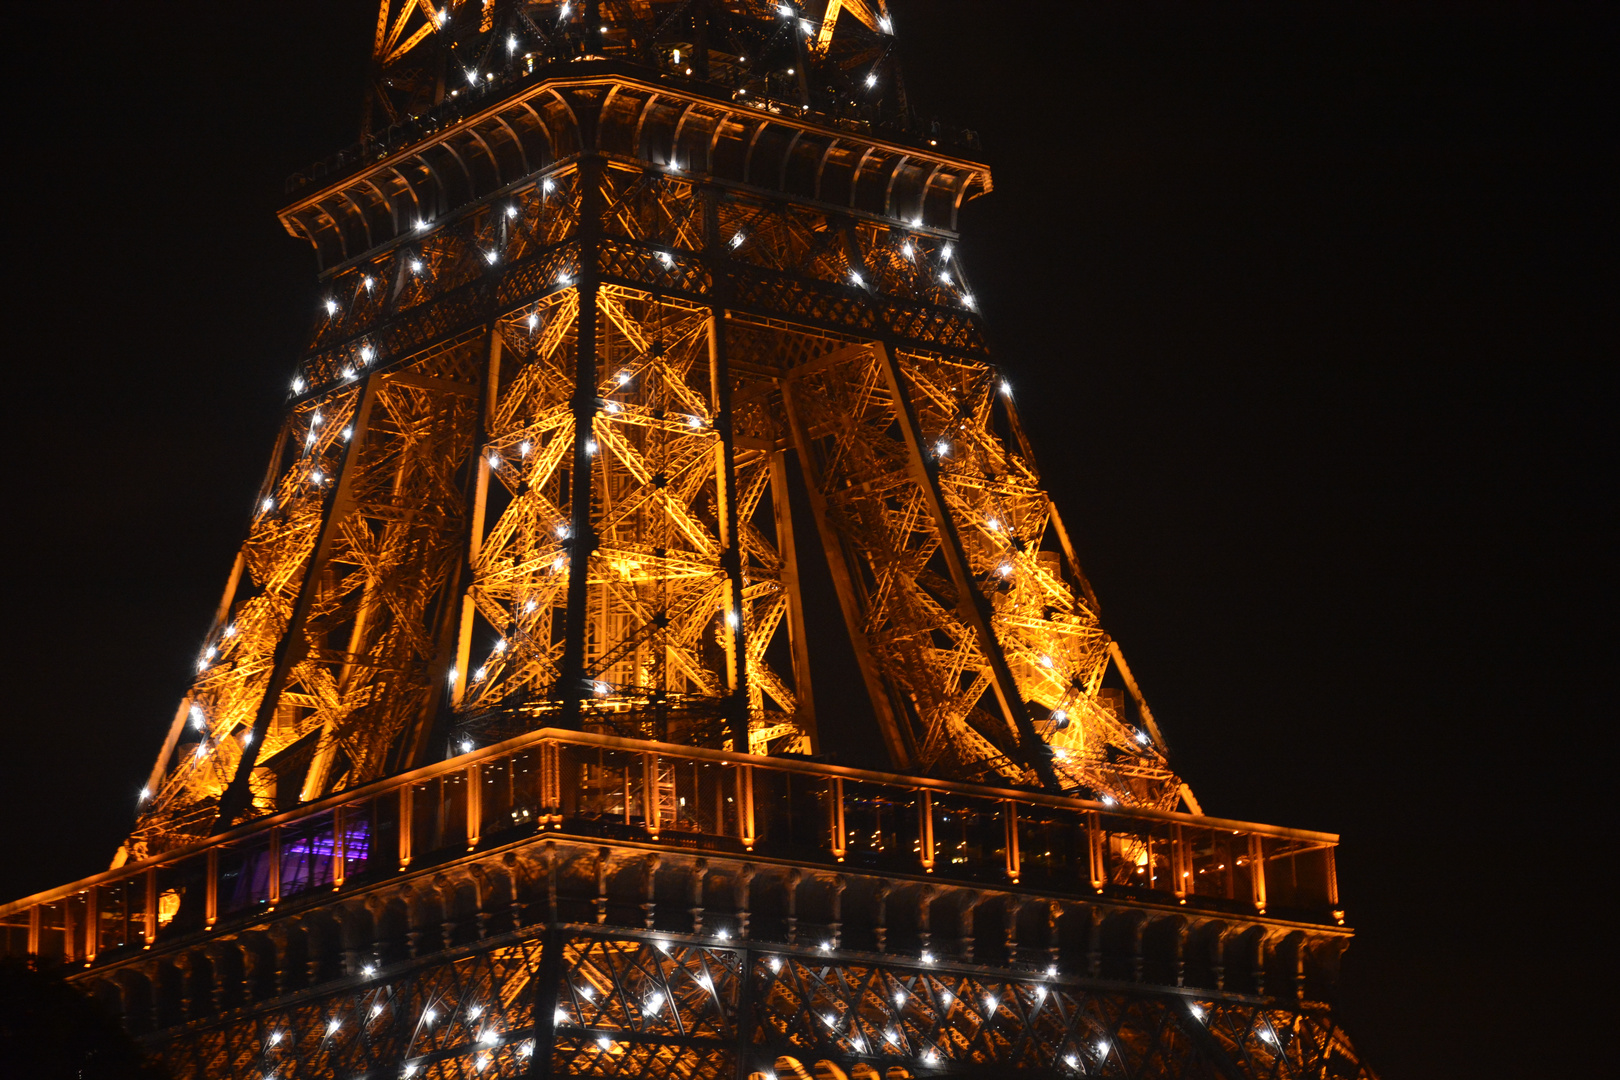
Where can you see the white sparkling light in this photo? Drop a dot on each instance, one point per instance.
(494, 461)
(737, 239)
(927, 957)
(907, 250)
(422, 224)
(267, 504)
(871, 80)
(367, 354)
(547, 186)
(534, 319)
(624, 378)
(146, 793)
(492, 257)
(416, 266)
(333, 1025)
(1108, 800)
(298, 386)
(511, 211)
(275, 1037)
(666, 258)
(331, 306)
(524, 447)
(1141, 737)
(376, 1010)
(945, 997)
(655, 1002)
(774, 962)
(855, 276)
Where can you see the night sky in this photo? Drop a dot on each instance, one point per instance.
(1309, 308)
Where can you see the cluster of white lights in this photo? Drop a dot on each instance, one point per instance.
(737, 239)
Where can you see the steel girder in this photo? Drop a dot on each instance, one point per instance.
(584, 1000)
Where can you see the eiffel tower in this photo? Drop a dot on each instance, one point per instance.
(653, 651)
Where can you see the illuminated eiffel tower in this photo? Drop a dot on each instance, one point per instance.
(653, 651)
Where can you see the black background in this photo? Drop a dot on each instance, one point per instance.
(1310, 309)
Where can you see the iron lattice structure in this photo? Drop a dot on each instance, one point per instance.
(648, 423)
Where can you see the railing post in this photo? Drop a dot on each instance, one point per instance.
(339, 824)
(551, 782)
(1097, 848)
(649, 781)
(1330, 867)
(745, 805)
(1179, 862)
(406, 798)
(151, 919)
(211, 888)
(275, 867)
(836, 812)
(92, 924)
(1257, 872)
(70, 932)
(475, 805)
(925, 830)
(1010, 817)
(36, 916)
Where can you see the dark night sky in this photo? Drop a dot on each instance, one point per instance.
(1307, 306)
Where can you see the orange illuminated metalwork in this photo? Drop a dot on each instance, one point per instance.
(504, 756)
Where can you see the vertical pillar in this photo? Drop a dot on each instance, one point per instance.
(649, 781)
(340, 825)
(1010, 818)
(699, 870)
(725, 483)
(1180, 864)
(475, 805)
(150, 915)
(92, 924)
(798, 640)
(273, 876)
(582, 533)
(1097, 850)
(925, 829)
(475, 538)
(745, 805)
(1257, 872)
(649, 901)
(211, 887)
(406, 813)
(836, 813)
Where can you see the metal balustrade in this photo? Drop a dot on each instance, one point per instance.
(560, 783)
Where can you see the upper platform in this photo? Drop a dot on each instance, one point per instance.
(472, 149)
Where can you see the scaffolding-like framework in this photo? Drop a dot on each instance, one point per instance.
(647, 424)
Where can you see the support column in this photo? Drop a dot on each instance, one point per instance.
(581, 530)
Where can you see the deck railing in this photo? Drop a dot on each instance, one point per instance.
(564, 783)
